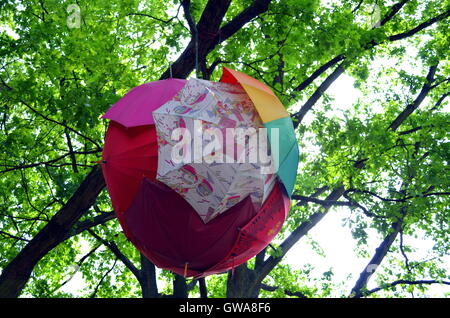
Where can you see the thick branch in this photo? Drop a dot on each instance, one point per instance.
(380, 253)
(394, 10)
(298, 117)
(296, 235)
(319, 72)
(196, 51)
(180, 288)
(147, 279)
(115, 250)
(322, 69)
(46, 163)
(89, 224)
(406, 282)
(203, 289)
(208, 28)
(187, 13)
(17, 272)
(419, 99)
(440, 100)
(420, 27)
(286, 291)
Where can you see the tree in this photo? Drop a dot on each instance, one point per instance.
(385, 158)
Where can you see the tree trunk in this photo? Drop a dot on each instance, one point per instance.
(203, 289)
(148, 279)
(16, 274)
(242, 283)
(180, 288)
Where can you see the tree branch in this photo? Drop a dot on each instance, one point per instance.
(298, 117)
(203, 289)
(13, 236)
(209, 28)
(89, 224)
(402, 250)
(187, 13)
(358, 6)
(380, 253)
(71, 152)
(322, 69)
(406, 282)
(61, 124)
(394, 10)
(286, 291)
(296, 235)
(440, 100)
(49, 162)
(319, 72)
(15, 275)
(147, 280)
(102, 279)
(153, 17)
(79, 263)
(115, 250)
(419, 99)
(420, 27)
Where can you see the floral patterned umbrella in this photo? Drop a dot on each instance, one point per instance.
(212, 186)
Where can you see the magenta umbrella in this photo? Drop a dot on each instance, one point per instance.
(135, 108)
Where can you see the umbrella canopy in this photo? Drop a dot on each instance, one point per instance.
(245, 208)
(129, 155)
(273, 115)
(212, 187)
(134, 109)
(190, 247)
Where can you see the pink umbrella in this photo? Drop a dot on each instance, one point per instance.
(135, 108)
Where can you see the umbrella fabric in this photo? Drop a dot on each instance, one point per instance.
(190, 247)
(161, 221)
(211, 188)
(273, 115)
(288, 155)
(258, 233)
(266, 102)
(149, 224)
(129, 154)
(134, 109)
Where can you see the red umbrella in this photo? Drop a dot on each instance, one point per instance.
(130, 150)
(134, 109)
(129, 154)
(190, 247)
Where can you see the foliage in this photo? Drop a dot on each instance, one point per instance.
(56, 80)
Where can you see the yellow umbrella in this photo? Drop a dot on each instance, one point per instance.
(266, 102)
(273, 115)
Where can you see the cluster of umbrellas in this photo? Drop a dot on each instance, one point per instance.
(190, 193)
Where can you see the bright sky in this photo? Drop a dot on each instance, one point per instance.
(336, 240)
